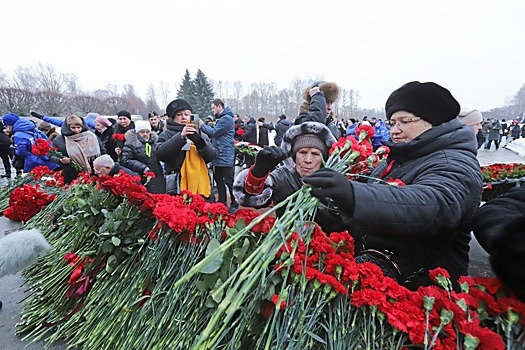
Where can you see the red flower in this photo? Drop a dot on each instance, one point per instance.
(240, 132)
(488, 340)
(41, 147)
(25, 202)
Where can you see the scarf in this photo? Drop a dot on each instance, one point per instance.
(82, 148)
(194, 173)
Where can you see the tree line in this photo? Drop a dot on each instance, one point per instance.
(45, 89)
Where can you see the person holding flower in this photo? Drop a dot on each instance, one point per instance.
(426, 223)
(185, 152)
(302, 151)
(139, 155)
(78, 147)
(24, 134)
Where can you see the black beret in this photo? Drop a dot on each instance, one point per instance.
(429, 101)
(177, 105)
(124, 113)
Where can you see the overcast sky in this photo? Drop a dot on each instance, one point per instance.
(476, 49)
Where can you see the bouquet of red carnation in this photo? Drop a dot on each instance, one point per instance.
(120, 138)
(25, 202)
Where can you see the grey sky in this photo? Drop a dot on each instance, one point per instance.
(474, 48)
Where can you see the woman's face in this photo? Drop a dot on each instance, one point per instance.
(124, 121)
(182, 117)
(406, 126)
(76, 128)
(99, 127)
(308, 160)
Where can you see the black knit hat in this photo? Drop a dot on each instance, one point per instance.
(177, 105)
(124, 113)
(429, 101)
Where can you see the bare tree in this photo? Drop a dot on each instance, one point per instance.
(52, 103)
(165, 95)
(151, 99)
(83, 104)
(14, 100)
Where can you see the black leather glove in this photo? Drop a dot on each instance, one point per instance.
(197, 139)
(267, 159)
(37, 115)
(330, 183)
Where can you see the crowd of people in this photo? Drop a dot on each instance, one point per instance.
(422, 225)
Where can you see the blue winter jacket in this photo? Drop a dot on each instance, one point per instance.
(24, 135)
(380, 134)
(222, 138)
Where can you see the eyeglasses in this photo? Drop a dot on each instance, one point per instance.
(402, 123)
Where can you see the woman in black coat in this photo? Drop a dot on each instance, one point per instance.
(185, 151)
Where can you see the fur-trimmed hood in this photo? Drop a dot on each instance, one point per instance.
(317, 129)
(330, 90)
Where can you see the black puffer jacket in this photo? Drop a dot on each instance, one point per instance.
(426, 224)
(250, 132)
(170, 144)
(135, 158)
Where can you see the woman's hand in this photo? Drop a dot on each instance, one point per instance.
(118, 151)
(65, 160)
(189, 129)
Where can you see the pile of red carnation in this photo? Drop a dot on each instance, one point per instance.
(25, 202)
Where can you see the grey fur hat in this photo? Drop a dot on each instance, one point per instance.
(297, 131)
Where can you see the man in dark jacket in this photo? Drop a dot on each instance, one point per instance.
(281, 127)
(104, 165)
(425, 224)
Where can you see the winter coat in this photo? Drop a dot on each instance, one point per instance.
(170, 144)
(24, 134)
(117, 168)
(70, 173)
(238, 124)
(494, 130)
(380, 134)
(281, 127)
(106, 138)
(135, 158)
(316, 110)
(515, 131)
(499, 227)
(350, 130)
(426, 224)
(118, 129)
(221, 135)
(264, 140)
(250, 132)
(284, 181)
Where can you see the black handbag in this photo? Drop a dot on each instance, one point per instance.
(381, 259)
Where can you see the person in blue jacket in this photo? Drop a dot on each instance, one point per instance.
(221, 135)
(380, 134)
(25, 133)
(89, 119)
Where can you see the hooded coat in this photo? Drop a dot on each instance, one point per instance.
(136, 158)
(24, 134)
(424, 225)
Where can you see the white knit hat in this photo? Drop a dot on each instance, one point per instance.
(469, 116)
(142, 125)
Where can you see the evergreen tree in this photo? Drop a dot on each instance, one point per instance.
(186, 89)
(203, 94)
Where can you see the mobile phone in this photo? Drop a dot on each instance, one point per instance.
(195, 120)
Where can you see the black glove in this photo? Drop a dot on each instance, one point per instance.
(197, 139)
(330, 183)
(37, 115)
(267, 159)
